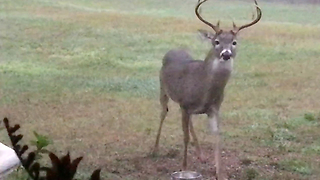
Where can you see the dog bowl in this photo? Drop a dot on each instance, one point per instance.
(186, 175)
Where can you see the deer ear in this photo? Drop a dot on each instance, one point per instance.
(206, 35)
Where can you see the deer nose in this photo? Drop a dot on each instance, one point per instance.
(226, 54)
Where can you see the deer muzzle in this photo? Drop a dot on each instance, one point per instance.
(226, 54)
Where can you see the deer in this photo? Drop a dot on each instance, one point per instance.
(198, 85)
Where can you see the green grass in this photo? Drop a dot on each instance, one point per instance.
(85, 73)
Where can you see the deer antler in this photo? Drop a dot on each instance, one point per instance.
(215, 28)
(259, 15)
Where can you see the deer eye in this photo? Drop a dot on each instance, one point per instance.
(234, 43)
(216, 42)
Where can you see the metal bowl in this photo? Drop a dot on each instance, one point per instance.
(186, 175)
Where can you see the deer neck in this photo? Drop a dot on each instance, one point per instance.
(218, 71)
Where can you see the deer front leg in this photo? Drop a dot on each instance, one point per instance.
(164, 99)
(214, 127)
(198, 149)
(185, 128)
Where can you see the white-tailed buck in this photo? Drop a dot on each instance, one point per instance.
(197, 85)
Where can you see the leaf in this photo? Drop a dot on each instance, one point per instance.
(42, 141)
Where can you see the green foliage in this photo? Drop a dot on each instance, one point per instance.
(41, 142)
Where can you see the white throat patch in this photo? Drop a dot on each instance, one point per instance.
(223, 64)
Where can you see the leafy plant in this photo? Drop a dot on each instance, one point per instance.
(61, 168)
(41, 143)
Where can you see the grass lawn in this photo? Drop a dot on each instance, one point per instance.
(85, 73)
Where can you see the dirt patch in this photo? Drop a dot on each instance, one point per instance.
(161, 166)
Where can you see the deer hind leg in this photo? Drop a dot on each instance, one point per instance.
(198, 149)
(214, 127)
(164, 99)
(185, 128)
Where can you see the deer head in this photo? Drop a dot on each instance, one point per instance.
(224, 42)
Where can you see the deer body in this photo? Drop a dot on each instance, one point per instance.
(198, 86)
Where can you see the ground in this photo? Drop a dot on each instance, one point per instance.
(85, 74)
